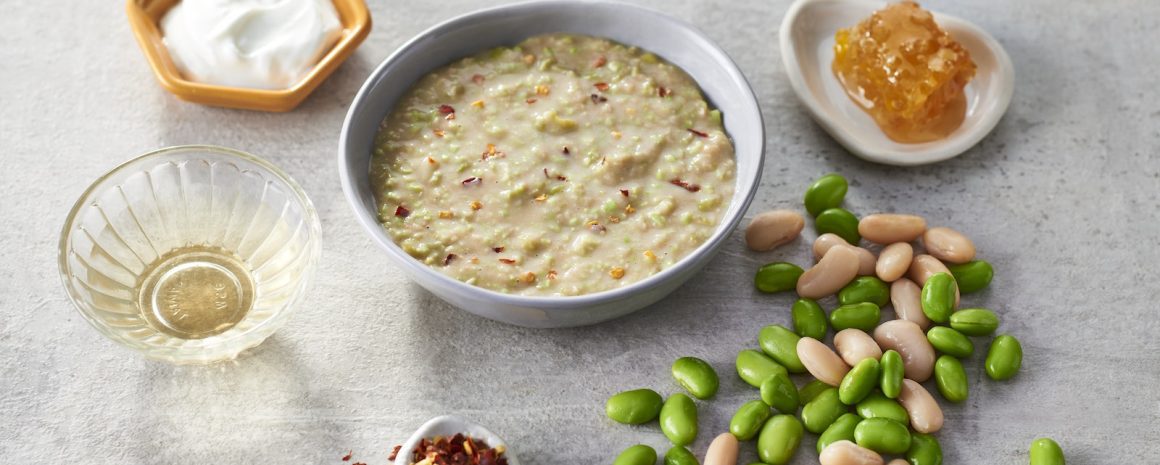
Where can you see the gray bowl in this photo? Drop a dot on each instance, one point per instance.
(672, 39)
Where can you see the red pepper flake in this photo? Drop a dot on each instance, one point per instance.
(450, 257)
(686, 185)
(546, 174)
(472, 181)
(531, 101)
(507, 261)
(498, 249)
(600, 62)
(478, 79)
(698, 133)
(552, 274)
(560, 177)
(402, 212)
(446, 109)
(663, 91)
(567, 151)
(346, 458)
(624, 192)
(456, 450)
(599, 98)
(601, 86)
(395, 452)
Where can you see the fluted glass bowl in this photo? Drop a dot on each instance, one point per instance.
(190, 254)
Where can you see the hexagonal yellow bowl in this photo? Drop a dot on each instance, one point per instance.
(145, 15)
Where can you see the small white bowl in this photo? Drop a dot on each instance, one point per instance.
(450, 425)
(807, 49)
(679, 43)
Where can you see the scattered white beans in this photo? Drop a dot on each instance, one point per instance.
(893, 261)
(898, 462)
(821, 362)
(910, 342)
(925, 414)
(847, 453)
(906, 297)
(866, 261)
(854, 345)
(924, 266)
(948, 245)
(888, 228)
(771, 229)
(722, 451)
(835, 270)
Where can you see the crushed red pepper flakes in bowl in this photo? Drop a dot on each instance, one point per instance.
(698, 133)
(457, 450)
(687, 186)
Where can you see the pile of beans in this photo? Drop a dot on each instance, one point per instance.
(867, 399)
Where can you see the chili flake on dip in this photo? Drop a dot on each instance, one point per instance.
(565, 165)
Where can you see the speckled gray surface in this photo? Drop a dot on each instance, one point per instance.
(1062, 198)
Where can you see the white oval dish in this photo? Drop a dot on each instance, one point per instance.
(450, 425)
(807, 49)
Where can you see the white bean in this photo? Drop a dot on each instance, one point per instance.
(771, 229)
(821, 362)
(722, 451)
(893, 261)
(888, 228)
(836, 269)
(948, 245)
(854, 345)
(906, 338)
(906, 297)
(847, 453)
(925, 414)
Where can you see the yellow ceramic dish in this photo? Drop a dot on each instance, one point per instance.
(144, 16)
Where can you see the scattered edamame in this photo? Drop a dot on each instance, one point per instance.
(696, 376)
(634, 407)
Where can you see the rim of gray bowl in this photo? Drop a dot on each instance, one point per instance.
(369, 222)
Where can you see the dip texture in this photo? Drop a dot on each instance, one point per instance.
(565, 165)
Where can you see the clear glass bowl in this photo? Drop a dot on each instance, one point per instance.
(190, 254)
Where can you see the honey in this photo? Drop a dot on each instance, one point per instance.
(905, 71)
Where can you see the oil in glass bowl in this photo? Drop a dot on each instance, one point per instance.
(190, 254)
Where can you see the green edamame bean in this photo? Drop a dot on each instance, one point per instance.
(754, 367)
(1004, 358)
(1045, 451)
(859, 382)
(950, 342)
(825, 193)
(747, 421)
(938, 297)
(877, 405)
(777, 277)
(634, 407)
(780, 344)
(972, 276)
(951, 378)
(810, 391)
(865, 289)
(882, 435)
(841, 429)
(779, 439)
(809, 320)
(975, 321)
(838, 221)
(778, 392)
(891, 370)
(639, 454)
(696, 376)
(819, 413)
(924, 450)
(679, 455)
(863, 316)
(679, 419)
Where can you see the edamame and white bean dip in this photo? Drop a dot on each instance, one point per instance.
(565, 165)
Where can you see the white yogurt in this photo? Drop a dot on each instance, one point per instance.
(264, 44)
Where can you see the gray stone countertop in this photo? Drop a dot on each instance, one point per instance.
(1062, 198)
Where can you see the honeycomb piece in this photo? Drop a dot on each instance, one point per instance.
(905, 71)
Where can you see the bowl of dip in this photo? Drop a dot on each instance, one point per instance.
(250, 54)
(553, 164)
